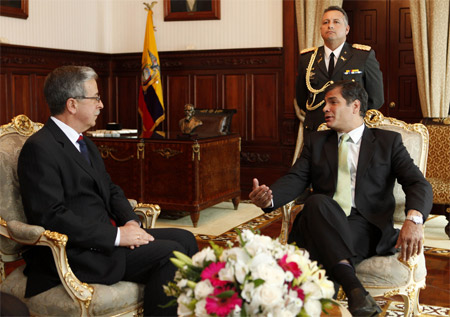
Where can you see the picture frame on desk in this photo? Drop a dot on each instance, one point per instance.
(188, 10)
(14, 8)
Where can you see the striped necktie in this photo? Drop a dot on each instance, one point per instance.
(343, 194)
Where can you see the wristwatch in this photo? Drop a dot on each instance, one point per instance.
(418, 220)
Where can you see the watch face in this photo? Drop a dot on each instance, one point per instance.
(415, 219)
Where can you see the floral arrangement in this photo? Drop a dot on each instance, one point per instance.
(261, 277)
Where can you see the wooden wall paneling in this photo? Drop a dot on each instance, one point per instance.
(40, 107)
(21, 94)
(5, 108)
(234, 96)
(125, 105)
(264, 108)
(206, 90)
(178, 93)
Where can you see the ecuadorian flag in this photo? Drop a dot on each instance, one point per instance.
(151, 104)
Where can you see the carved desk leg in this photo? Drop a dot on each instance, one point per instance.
(195, 215)
(236, 200)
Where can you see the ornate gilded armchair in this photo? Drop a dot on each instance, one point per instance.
(71, 297)
(438, 166)
(388, 275)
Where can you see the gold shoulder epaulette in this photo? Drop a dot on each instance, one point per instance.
(362, 47)
(306, 50)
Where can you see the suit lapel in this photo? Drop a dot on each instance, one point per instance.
(365, 153)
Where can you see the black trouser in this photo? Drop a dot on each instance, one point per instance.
(150, 265)
(329, 236)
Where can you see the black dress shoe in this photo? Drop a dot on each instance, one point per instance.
(360, 303)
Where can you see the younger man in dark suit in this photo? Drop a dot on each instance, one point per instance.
(65, 188)
(340, 233)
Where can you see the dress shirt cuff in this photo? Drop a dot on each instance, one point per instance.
(117, 242)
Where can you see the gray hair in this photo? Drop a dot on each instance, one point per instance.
(66, 82)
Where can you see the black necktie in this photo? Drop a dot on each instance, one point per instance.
(331, 65)
(83, 149)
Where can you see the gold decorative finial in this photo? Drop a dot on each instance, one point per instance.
(149, 6)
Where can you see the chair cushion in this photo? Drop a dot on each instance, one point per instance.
(107, 299)
(441, 190)
(388, 271)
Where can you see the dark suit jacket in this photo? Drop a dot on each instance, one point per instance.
(63, 193)
(382, 159)
(352, 64)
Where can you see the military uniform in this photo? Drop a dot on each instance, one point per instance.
(355, 62)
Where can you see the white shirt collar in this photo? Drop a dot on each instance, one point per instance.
(355, 135)
(68, 131)
(336, 52)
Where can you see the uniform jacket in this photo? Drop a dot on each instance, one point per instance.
(383, 159)
(64, 193)
(353, 64)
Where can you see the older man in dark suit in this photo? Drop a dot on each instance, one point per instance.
(349, 216)
(65, 188)
(336, 60)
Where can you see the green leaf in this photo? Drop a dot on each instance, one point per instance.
(258, 282)
(173, 302)
(225, 294)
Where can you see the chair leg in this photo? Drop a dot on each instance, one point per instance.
(411, 301)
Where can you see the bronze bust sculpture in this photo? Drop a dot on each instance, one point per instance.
(189, 122)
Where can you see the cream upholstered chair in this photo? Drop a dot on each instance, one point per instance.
(71, 297)
(388, 275)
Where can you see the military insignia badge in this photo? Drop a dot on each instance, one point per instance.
(352, 72)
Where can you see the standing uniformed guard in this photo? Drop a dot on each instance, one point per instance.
(337, 60)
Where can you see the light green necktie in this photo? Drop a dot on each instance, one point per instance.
(343, 194)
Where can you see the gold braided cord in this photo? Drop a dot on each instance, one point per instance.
(308, 84)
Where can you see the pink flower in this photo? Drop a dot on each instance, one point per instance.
(222, 302)
(211, 273)
(300, 292)
(291, 266)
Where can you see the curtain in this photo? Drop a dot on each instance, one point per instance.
(431, 41)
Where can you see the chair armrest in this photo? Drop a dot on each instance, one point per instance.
(148, 213)
(35, 235)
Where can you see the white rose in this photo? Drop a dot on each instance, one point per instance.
(206, 254)
(200, 308)
(259, 244)
(203, 289)
(182, 283)
(247, 292)
(240, 271)
(313, 307)
(271, 295)
(227, 273)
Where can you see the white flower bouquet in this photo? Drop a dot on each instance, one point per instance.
(261, 277)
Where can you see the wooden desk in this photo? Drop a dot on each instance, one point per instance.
(177, 174)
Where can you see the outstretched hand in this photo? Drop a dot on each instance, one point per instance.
(133, 236)
(261, 195)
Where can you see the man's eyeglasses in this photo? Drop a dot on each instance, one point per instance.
(84, 97)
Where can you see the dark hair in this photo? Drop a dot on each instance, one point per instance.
(337, 8)
(351, 91)
(66, 82)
